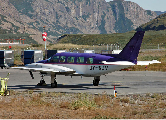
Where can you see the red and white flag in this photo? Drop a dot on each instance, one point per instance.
(44, 35)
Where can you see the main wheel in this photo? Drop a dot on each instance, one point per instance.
(42, 83)
(54, 85)
(95, 82)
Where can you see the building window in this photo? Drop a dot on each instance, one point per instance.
(80, 59)
(62, 59)
(70, 59)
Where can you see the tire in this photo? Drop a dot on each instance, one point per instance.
(39, 84)
(54, 85)
(7, 93)
(95, 82)
(42, 83)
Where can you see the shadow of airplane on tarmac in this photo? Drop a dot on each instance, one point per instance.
(71, 87)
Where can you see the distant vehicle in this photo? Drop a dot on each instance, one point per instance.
(61, 51)
(31, 56)
(116, 51)
(89, 51)
(88, 64)
(6, 58)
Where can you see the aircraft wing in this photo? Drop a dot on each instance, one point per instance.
(55, 69)
(147, 62)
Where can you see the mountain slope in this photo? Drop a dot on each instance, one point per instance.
(71, 17)
(159, 23)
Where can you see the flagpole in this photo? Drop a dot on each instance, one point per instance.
(44, 35)
(45, 46)
(45, 40)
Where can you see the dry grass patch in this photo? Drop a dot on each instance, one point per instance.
(82, 105)
(148, 56)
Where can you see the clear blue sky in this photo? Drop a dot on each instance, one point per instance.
(154, 5)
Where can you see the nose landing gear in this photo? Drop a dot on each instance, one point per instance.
(96, 81)
(42, 82)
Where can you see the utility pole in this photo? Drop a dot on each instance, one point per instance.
(158, 46)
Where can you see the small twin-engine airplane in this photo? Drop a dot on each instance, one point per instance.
(88, 64)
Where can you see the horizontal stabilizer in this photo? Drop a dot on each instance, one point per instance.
(147, 62)
(119, 63)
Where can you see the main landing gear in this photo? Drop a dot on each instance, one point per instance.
(53, 81)
(96, 81)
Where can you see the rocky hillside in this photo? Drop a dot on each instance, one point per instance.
(159, 23)
(71, 17)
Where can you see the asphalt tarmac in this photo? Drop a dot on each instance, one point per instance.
(127, 82)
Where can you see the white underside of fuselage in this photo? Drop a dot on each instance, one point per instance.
(95, 70)
(89, 70)
(99, 69)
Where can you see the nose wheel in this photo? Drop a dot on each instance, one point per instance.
(42, 82)
(54, 85)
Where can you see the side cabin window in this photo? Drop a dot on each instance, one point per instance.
(89, 60)
(55, 59)
(80, 59)
(62, 59)
(70, 59)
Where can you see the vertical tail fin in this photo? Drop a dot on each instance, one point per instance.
(131, 50)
